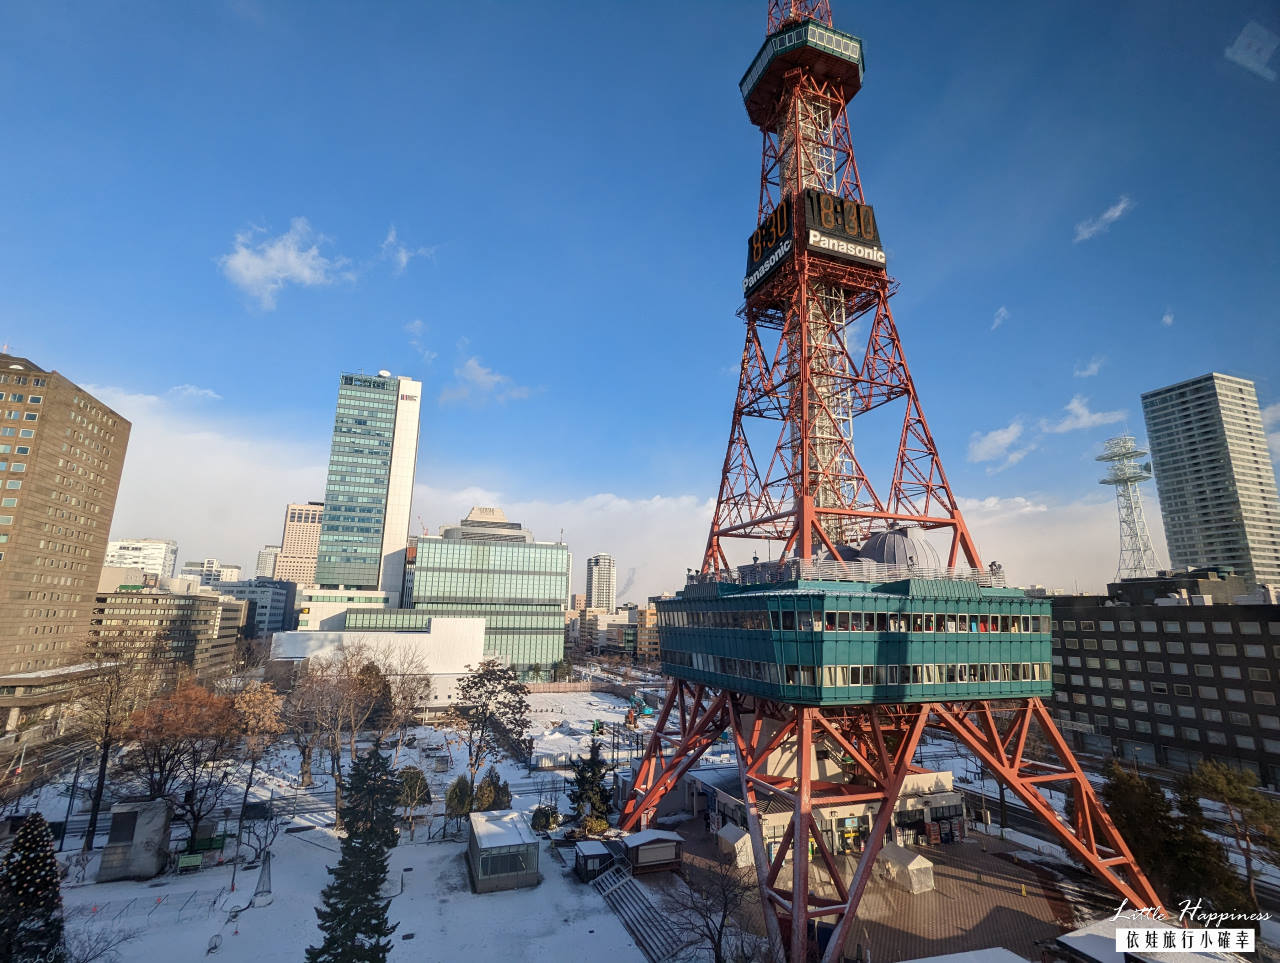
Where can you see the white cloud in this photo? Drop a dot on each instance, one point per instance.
(416, 329)
(1090, 369)
(239, 479)
(400, 254)
(1000, 317)
(475, 382)
(991, 445)
(1065, 545)
(1079, 416)
(1098, 225)
(1167, 319)
(261, 269)
(1253, 48)
(1271, 419)
(195, 392)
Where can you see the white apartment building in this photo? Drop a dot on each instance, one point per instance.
(1214, 475)
(155, 556)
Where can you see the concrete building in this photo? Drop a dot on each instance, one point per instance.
(210, 570)
(444, 646)
(299, 543)
(272, 603)
(516, 584)
(601, 583)
(326, 609)
(1214, 475)
(266, 566)
(61, 453)
(202, 632)
(156, 556)
(365, 524)
(1171, 670)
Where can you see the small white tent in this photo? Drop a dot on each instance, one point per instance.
(733, 839)
(906, 870)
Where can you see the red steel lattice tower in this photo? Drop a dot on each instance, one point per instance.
(808, 286)
(813, 745)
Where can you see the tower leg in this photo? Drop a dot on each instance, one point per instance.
(776, 748)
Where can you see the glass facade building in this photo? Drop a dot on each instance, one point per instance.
(365, 521)
(519, 588)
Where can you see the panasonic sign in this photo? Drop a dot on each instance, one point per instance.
(850, 249)
(766, 267)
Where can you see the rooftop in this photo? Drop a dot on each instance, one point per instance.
(503, 827)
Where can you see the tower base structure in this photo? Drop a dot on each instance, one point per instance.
(820, 761)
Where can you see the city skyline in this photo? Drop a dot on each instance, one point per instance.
(1024, 368)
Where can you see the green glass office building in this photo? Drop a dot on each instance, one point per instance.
(492, 568)
(370, 483)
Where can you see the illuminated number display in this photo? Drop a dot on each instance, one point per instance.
(769, 246)
(840, 226)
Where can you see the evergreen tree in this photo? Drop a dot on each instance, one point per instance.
(457, 798)
(1199, 865)
(353, 916)
(31, 897)
(587, 794)
(1142, 814)
(1253, 819)
(492, 793)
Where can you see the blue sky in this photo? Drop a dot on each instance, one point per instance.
(540, 210)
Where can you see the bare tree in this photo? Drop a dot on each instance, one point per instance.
(408, 690)
(301, 716)
(212, 732)
(87, 939)
(128, 673)
(259, 834)
(491, 701)
(710, 914)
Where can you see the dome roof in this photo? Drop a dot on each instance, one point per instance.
(900, 546)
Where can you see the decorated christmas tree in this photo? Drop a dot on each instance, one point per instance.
(31, 898)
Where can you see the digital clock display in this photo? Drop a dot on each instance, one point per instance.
(841, 226)
(769, 246)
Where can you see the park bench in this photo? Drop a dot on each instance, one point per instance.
(190, 861)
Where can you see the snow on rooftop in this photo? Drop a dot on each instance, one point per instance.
(651, 836)
(57, 671)
(503, 827)
(592, 847)
(994, 954)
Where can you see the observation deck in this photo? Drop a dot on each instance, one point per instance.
(823, 642)
(829, 54)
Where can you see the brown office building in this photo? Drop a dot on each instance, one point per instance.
(296, 561)
(61, 453)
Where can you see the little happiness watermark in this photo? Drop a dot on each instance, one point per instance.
(1210, 934)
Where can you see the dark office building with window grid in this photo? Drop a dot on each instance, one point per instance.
(1170, 670)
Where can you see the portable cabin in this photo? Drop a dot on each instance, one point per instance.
(590, 858)
(654, 850)
(502, 852)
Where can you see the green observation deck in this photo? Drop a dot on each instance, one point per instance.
(810, 642)
(827, 53)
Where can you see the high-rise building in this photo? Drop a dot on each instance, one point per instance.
(61, 452)
(600, 583)
(365, 525)
(155, 556)
(266, 566)
(1214, 475)
(517, 584)
(297, 559)
(210, 570)
(60, 456)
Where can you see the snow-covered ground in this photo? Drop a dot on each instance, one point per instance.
(180, 917)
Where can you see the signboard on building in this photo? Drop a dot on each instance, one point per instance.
(770, 245)
(843, 227)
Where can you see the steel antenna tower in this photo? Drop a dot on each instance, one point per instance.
(825, 668)
(1137, 557)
